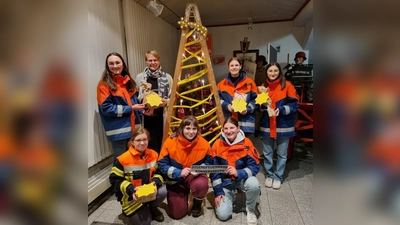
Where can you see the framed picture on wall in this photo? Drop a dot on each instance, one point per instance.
(250, 55)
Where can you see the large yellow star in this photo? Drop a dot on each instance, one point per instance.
(239, 105)
(153, 100)
(262, 98)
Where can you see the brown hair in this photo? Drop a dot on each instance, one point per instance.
(281, 77)
(107, 74)
(186, 121)
(139, 131)
(236, 59)
(232, 121)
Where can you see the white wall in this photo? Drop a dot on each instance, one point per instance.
(145, 32)
(105, 36)
(227, 39)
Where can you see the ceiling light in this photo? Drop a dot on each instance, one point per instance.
(250, 24)
(155, 8)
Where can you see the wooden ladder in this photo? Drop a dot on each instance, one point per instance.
(193, 46)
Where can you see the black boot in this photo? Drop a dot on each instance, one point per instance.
(156, 214)
(196, 209)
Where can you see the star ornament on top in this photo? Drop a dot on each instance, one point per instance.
(239, 105)
(153, 100)
(262, 98)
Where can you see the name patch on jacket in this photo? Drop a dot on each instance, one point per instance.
(209, 168)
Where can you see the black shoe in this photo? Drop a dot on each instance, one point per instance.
(196, 209)
(156, 214)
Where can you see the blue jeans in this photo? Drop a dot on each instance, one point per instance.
(119, 147)
(252, 188)
(268, 145)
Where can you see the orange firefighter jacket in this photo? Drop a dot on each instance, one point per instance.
(178, 153)
(130, 170)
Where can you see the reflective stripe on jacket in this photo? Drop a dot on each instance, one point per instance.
(286, 101)
(178, 153)
(248, 89)
(115, 109)
(243, 156)
(131, 170)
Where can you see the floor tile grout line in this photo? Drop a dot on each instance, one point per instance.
(298, 209)
(269, 205)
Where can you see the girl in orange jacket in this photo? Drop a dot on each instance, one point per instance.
(131, 170)
(278, 127)
(239, 154)
(179, 152)
(118, 105)
(238, 85)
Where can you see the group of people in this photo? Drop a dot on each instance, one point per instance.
(186, 147)
(120, 98)
(278, 128)
(140, 161)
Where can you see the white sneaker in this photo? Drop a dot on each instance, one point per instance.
(251, 217)
(276, 184)
(268, 182)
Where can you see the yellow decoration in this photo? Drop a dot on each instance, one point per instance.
(146, 193)
(239, 105)
(153, 100)
(262, 98)
(145, 190)
(184, 23)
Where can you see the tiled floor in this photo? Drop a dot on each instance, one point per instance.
(290, 205)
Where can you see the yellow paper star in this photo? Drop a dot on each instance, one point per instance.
(239, 105)
(145, 190)
(153, 100)
(262, 98)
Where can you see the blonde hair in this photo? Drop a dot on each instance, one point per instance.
(153, 53)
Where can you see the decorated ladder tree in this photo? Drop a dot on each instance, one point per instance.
(194, 91)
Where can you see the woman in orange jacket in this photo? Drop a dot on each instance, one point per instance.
(278, 126)
(179, 152)
(131, 170)
(118, 104)
(239, 154)
(234, 86)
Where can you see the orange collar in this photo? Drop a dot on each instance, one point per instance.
(185, 143)
(120, 80)
(135, 152)
(274, 84)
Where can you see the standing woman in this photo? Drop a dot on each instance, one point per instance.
(161, 83)
(237, 85)
(118, 104)
(132, 169)
(181, 150)
(280, 127)
(239, 154)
